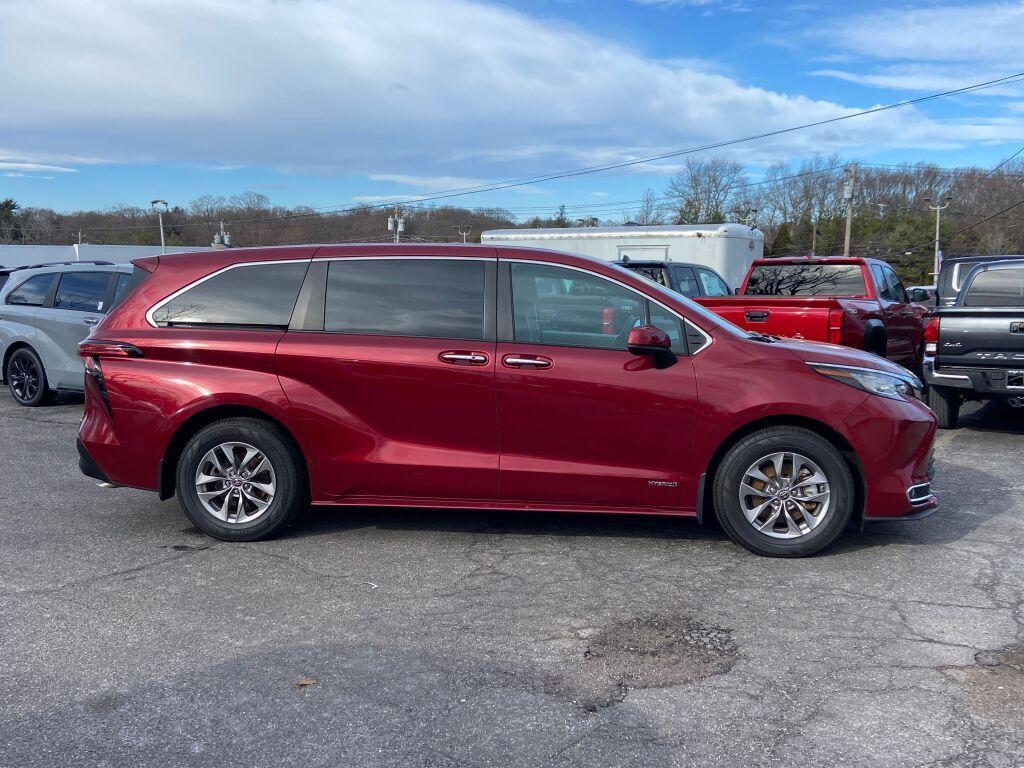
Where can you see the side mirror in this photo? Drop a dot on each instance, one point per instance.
(652, 342)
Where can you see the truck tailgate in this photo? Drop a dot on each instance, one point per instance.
(792, 317)
(989, 337)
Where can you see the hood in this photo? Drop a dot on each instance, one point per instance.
(818, 352)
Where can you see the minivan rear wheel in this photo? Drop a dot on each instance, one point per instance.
(240, 479)
(26, 378)
(784, 492)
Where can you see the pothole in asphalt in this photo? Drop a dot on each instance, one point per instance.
(995, 685)
(643, 652)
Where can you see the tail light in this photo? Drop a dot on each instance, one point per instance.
(931, 335)
(836, 325)
(608, 321)
(92, 351)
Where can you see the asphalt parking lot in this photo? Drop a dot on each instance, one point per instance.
(479, 639)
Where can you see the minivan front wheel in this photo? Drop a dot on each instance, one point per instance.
(26, 378)
(784, 492)
(240, 479)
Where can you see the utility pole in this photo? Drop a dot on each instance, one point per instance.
(938, 217)
(851, 178)
(814, 236)
(79, 237)
(462, 232)
(155, 205)
(396, 224)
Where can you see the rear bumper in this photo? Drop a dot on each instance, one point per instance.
(88, 466)
(984, 381)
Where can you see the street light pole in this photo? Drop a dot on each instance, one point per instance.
(155, 205)
(938, 218)
(464, 233)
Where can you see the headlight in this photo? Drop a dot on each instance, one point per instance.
(891, 385)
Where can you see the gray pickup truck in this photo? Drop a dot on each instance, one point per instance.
(974, 349)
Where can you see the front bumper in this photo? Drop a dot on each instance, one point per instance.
(984, 381)
(893, 441)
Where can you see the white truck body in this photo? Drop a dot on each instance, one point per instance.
(729, 249)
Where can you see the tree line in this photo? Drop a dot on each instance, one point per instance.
(795, 205)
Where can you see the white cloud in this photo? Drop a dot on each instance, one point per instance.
(25, 168)
(928, 49)
(410, 92)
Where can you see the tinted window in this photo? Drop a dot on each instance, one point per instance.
(712, 284)
(82, 291)
(656, 274)
(896, 289)
(126, 284)
(434, 298)
(32, 292)
(257, 295)
(687, 282)
(806, 280)
(996, 288)
(585, 311)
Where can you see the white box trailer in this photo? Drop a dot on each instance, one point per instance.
(729, 249)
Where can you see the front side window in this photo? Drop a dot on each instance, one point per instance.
(256, 295)
(895, 286)
(670, 324)
(31, 293)
(428, 298)
(996, 288)
(82, 291)
(806, 280)
(586, 311)
(712, 284)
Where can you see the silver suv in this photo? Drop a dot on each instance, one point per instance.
(45, 310)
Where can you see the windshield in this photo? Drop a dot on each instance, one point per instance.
(806, 280)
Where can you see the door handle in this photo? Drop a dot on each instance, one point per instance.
(463, 358)
(756, 316)
(90, 321)
(526, 361)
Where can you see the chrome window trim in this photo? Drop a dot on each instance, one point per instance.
(709, 340)
(310, 260)
(221, 271)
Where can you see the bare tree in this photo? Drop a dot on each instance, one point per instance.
(703, 189)
(651, 211)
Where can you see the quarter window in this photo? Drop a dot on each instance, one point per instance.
(257, 295)
(31, 293)
(430, 298)
(565, 307)
(670, 324)
(82, 291)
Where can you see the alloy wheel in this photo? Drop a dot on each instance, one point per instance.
(235, 482)
(784, 495)
(24, 378)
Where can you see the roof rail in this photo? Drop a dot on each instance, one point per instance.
(66, 264)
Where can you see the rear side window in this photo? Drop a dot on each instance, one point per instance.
(31, 293)
(82, 291)
(996, 288)
(251, 295)
(126, 284)
(687, 282)
(806, 280)
(428, 298)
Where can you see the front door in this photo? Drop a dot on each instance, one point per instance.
(581, 420)
(902, 321)
(392, 378)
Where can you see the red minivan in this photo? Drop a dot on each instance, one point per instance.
(255, 382)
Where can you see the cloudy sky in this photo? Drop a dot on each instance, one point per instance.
(330, 102)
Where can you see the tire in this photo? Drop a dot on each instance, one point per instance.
(788, 536)
(877, 344)
(257, 513)
(946, 402)
(26, 378)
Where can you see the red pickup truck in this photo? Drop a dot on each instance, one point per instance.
(858, 303)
